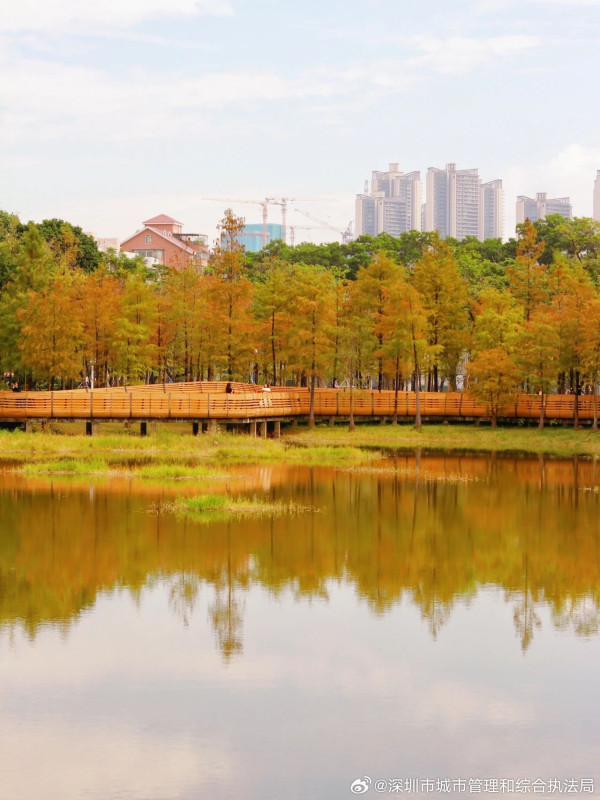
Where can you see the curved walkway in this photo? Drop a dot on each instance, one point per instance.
(203, 402)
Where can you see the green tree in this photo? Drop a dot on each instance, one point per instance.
(527, 277)
(62, 235)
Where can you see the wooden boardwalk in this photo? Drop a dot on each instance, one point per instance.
(208, 402)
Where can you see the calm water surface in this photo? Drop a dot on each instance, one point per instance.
(437, 620)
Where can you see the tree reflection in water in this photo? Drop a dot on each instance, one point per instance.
(432, 529)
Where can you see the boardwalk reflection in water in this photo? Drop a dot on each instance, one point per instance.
(440, 607)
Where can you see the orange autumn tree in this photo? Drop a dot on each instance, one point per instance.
(51, 332)
(373, 284)
(310, 329)
(571, 303)
(133, 346)
(443, 293)
(407, 338)
(186, 311)
(230, 299)
(590, 351)
(272, 307)
(100, 299)
(493, 371)
(538, 351)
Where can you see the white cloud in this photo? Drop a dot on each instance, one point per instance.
(459, 54)
(568, 173)
(44, 99)
(485, 6)
(68, 16)
(106, 761)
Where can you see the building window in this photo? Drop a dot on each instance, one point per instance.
(159, 255)
(148, 238)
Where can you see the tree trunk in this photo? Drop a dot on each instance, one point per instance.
(418, 424)
(542, 409)
(311, 415)
(595, 423)
(396, 382)
(273, 356)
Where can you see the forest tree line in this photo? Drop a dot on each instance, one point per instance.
(384, 312)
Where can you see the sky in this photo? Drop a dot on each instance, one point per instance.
(114, 111)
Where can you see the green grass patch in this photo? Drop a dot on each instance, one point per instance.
(172, 453)
(211, 507)
(179, 472)
(67, 466)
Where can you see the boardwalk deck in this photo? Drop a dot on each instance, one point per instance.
(209, 401)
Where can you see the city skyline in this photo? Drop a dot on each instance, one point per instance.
(111, 113)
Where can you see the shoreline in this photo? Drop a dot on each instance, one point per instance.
(334, 446)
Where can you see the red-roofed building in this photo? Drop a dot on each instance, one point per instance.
(162, 238)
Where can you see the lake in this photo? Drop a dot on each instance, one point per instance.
(431, 628)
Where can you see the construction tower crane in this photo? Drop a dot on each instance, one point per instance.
(277, 201)
(345, 234)
(283, 201)
(294, 228)
(263, 203)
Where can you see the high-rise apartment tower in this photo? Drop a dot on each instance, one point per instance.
(393, 205)
(542, 206)
(597, 196)
(459, 205)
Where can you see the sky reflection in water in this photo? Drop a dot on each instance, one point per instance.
(438, 618)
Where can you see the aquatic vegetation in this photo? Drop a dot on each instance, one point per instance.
(207, 507)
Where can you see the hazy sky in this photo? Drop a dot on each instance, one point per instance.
(113, 111)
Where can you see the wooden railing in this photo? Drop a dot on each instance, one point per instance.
(209, 401)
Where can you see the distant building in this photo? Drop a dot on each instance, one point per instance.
(597, 196)
(392, 206)
(459, 205)
(104, 243)
(255, 237)
(436, 203)
(162, 238)
(542, 206)
(491, 210)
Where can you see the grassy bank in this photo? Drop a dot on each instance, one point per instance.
(553, 441)
(172, 453)
(169, 454)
